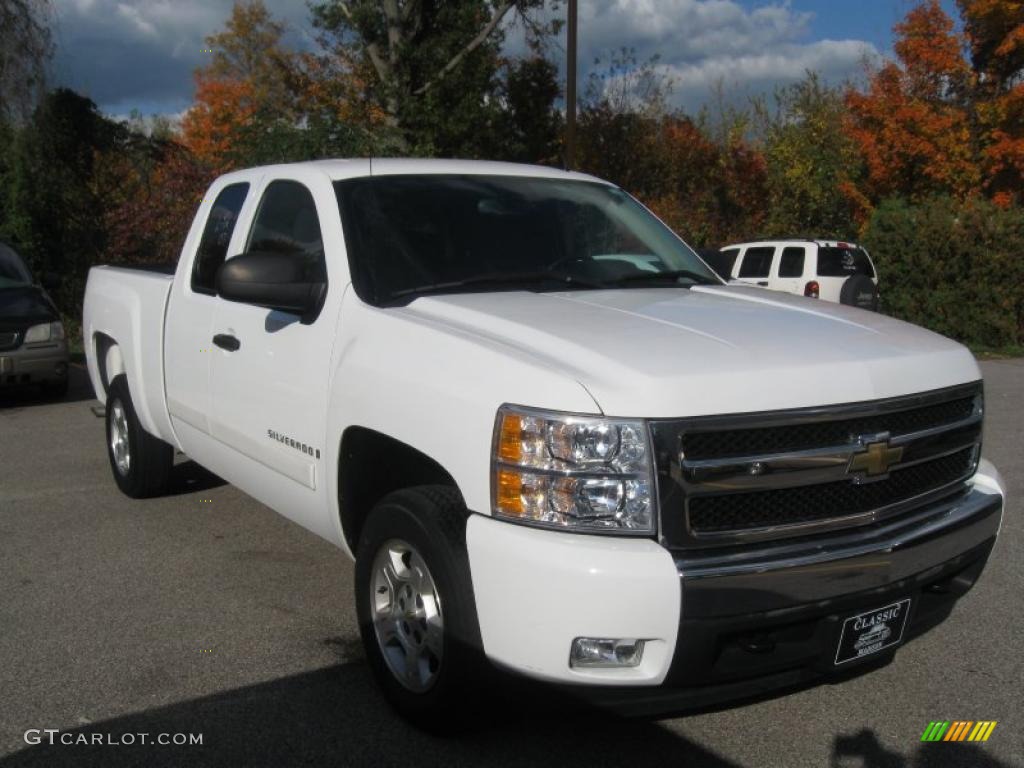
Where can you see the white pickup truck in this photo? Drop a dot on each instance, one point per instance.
(552, 439)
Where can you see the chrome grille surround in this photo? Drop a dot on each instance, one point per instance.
(765, 495)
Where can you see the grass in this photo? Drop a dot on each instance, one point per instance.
(997, 353)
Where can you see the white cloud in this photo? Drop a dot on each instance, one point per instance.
(706, 44)
(128, 53)
(141, 53)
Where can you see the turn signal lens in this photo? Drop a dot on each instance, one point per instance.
(510, 442)
(510, 493)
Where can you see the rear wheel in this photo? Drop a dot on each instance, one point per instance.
(416, 610)
(140, 462)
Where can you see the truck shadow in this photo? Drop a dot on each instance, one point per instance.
(189, 477)
(335, 716)
(864, 750)
(30, 395)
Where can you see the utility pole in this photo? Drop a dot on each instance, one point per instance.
(570, 90)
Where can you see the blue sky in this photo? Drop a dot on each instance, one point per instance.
(869, 20)
(140, 54)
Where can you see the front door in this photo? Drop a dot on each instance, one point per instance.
(755, 265)
(271, 370)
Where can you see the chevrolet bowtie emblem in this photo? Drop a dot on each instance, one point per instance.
(875, 459)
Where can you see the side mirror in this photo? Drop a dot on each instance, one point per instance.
(273, 280)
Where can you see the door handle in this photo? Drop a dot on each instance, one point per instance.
(227, 341)
(762, 282)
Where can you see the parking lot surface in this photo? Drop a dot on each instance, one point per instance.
(205, 613)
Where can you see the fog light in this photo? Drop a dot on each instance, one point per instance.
(605, 652)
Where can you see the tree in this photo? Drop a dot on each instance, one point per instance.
(812, 163)
(53, 205)
(25, 49)
(259, 102)
(431, 68)
(159, 184)
(995, 32)
(708, 188)
(529, 92)
(914, 125)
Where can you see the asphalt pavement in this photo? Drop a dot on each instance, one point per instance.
(204, 613)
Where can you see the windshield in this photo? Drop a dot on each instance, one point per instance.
(414, 235)
(13, 271)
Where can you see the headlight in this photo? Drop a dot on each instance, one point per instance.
(44, 332)
(578, 473)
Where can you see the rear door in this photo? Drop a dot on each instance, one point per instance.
(788, 269)
(755, 265)
(270, 394)
(187, 330)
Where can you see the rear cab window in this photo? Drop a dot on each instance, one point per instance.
(213, 247)
(843, 262)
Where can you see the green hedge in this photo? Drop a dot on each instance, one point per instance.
(956, 268)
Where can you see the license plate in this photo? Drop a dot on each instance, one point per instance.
(872, 631)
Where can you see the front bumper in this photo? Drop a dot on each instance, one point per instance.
(34, 365)
(727, 624)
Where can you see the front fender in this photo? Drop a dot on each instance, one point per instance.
(436, 388)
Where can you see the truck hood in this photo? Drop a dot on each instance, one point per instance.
(673, 352)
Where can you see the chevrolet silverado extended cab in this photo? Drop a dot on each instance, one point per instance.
(552, 439)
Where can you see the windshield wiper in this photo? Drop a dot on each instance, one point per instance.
(663, 277)
(502, 278)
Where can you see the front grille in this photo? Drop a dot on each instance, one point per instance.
(794, 437)
(810, 503)
(9, 339)
(725, 480)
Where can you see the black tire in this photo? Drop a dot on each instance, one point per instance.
(859, 291)
(148, 471)
(432, 520)
(56, 389)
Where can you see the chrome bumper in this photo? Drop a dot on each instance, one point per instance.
(784, 575)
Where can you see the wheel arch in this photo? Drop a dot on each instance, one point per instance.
(371, 465)
(109, 360)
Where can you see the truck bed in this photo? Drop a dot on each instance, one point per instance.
(128, 305)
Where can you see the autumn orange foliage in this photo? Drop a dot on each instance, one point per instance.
(913, 125)
(933, 122)
(223, 109)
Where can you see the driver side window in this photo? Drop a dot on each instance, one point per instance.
(287, 223)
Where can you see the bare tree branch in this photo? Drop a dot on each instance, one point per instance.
(471, 46)
(393, 21)
(372, 49)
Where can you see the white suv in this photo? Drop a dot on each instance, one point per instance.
(822, 269)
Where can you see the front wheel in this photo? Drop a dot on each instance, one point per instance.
(141, 463)
(417, 614)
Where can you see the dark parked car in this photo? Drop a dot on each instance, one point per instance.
(33, 348)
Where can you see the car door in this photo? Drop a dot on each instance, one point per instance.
(756, 265)
(788, 270)
(270, 376)
(190, 313)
